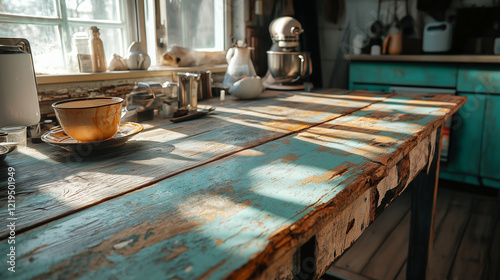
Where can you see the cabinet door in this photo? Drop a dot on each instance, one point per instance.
(466, 136)
(490, 161)
(479, 78)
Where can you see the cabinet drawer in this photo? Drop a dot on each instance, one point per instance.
(419, 74)
(479, 79)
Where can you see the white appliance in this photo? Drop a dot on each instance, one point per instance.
(18, 92)
(437, 37)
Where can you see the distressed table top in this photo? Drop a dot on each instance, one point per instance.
(219, 197)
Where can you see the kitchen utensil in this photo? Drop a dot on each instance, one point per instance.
(437, 37)
(137, 59)
(193, 116)
(247, 88)
(377, 27)
(16, 134)
(97, 51)
(117, 63)
(393, 44)
(395, 20)
(89, 119)
(57, 137)
(407, 23)
(187, 97)
(357, 43)
(5, 149)
(18, 89)
(375, 50)
(496, 46)
(239, 65)
(205, 86)
(288, 67)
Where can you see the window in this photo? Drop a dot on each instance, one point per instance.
(195, 24)
(49, 26)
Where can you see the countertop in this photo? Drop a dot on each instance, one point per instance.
(426, 58)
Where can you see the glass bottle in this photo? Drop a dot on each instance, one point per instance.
(97, 51)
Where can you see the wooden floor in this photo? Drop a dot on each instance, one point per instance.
(466, 239)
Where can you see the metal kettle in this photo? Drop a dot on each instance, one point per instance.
(18, 90)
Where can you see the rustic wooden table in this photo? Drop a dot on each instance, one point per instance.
(276, 187)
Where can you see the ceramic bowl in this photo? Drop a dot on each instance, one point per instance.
(246, 88)
(89, 119)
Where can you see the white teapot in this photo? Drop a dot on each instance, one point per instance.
(137, 59)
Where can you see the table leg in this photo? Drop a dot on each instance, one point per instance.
(424, 192)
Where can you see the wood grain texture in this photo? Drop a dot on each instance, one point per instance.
(68, 181)
(226, 197)
(352, 260)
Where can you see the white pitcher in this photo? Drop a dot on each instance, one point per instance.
(239, 65)
(137, 59)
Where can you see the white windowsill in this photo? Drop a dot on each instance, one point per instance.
(156, 71)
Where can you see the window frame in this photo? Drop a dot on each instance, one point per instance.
(134, 24)
(63, 23)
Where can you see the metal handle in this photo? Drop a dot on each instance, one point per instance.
(301, 69)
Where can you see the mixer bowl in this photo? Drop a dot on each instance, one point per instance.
(289, 67)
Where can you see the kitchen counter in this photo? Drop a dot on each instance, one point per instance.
(427, 58)
(264, 189)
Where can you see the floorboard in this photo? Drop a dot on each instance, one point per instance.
(466, 239)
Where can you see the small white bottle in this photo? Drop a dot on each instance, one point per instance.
(97, 51)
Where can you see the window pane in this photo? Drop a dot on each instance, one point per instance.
(43, 8)
(191, 23)
(44, 41)
(112, 39)
(93, 9)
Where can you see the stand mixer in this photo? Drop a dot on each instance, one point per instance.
(288, 66)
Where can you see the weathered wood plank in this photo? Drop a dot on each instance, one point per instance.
(233, 215)
(247, 207)
(52, 182)
(370, 241)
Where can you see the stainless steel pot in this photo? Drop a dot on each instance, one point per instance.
(289, 67)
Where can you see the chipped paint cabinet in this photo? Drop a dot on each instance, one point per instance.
(490, 154)
(474, 144)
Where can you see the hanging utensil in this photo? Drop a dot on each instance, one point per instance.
(407, 22)
(395, 20)
(377, 28)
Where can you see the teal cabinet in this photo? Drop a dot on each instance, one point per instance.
(479, 78)
(490, 156)
(474, 149)
(466, 135)
(418, 74)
